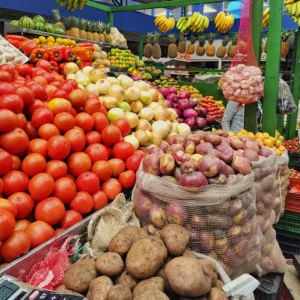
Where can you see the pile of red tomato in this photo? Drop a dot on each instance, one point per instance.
(60, 159)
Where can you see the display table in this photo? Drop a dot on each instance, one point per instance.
(292, 281)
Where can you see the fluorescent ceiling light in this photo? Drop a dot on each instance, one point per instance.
(208, 9)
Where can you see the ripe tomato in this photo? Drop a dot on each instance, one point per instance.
(39, 91)
(96, 152)
(84, 121)
(50, 89)
(40, 80)
(111, 135)
(33, 164)
(123, 125)
(78, 163)
(5, 76)
(15, 181)
(64, 122)
(23, 70)
(88, 182)
(82, 202)
(41, 116)
(8, 68)
(21, 121)
(6, 88)
(12, 102)
(56, 169)
(133, 162)
(92, 106)
(39, 232)
(78, 98)
(6, 162)
(111, 188)
(93, 137)
(70, 218)
(127, 179)
(38, 146)
(22, 224)
(123, 150)
(72, 82)
(117, 166)
(26, 94)
(50, 210)
(58, 105)
(1, 186)
(8, 222)
(64, 189)
(66, 87)
(101, 121)
(36, 182)
(14, 141)
(47, 131)
(49, 77)
(8, 120)
(55, 83)
(38, 72)
(23, 202)
(102, 169)
(17, 244)
(35, 105)
(16, 162)
(58, 93)
(58, 147)
(44, 64)
(100, 200)
(76, 137)
(8, 206)
(30, 131)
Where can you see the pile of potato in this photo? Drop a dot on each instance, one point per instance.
(144, 267)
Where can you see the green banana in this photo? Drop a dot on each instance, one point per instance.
(74, 5)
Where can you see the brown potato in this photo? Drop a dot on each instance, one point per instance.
(110, 264)
(62, 288)
(188, 253)
(154, 283)
(152, 295)
(119, 292)
(168, 290)
(176, 238)
(79, 275)
(99, 288)
(212, 269)
(127, 280)
(216, 294)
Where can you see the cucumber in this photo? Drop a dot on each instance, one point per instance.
(39, 18)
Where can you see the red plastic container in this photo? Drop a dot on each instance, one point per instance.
(292, 202)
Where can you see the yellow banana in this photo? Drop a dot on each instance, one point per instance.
(198, 21)
(294, 8)
(206, 22)
(157, 19)
(195, 17)
(218, 16)
(266, 12)
(180, 22)
(221, 20)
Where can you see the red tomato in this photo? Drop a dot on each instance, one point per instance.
(110, 151)
(14, 141)
(55, 83)
(96, 152)
(50, 210)
(58, 147)
(78, 98)
(58, 105)
(93, 137)
(66, 87)
(64, 189)
(5, 76)
(8, 222)
(84, 121)
(30, 131)
(140, 153)
(59, 94)
(50, 89)
(76, 137)
(100, 200)
(23, 70)
(22, 224)
(73, 112)
(6, 162)
(8, 206)
(39, 91)
(123, 150)
(47, 131)
(82, 202)
(117, 166)
(101, 121)
(1, 186)
(38, 72)
(92, 106)
(102, 169)
(123, 125)
(78, 163)
(72, 82)
(36, 182)
(38, 146)
(7, 88)
(33, 164)
(40, 80)
(127, 179)
(70, 218)
(16, 163)
(111, 188)
(64, 121)
(12, 102)
(44, 64)
(39, 232)
(56, 169)
(41, 116)
(17, 244)
(111, 135)
(21, 121)
(49, 77)
(133, 162)
(35, 105)
(88, 182)
(15, 181)
(8, 68)
(26, 94)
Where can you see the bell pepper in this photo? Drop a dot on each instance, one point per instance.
(61, 67)
(83, 53)
(54, 66)
(19, 38)
(15, 43)
(68, 54)
(28, 46)
(86, 45)
(55, 55)
(37, 54)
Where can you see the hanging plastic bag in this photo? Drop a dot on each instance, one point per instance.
(285, 101)
(243, 82)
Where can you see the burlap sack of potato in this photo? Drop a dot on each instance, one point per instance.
(265, 175)
(105, 224)
(221, 219)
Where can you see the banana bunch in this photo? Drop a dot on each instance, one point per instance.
(184, 24)
(266, 16)
(164, 24)
(224, 22)
(72, 4)
(199, 22)
(294, 10)
(290, 1)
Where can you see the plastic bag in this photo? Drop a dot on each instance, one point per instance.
(285, 101)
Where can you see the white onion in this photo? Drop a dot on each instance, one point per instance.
(87, 69)
(125, 81)
(160, 113)
(132, 119)
(70, 68)
(115, 114)
(109, 102)
(95, 75)
(161, 127)
(103, 85)
(83, 80)
(143, 125)
(132, 140)
(117, 91)
(136, 106)
(113, 80)
(183, 129)
(133, 94)
(92, 88)
(146, 113)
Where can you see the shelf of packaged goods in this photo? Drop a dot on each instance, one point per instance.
(11, 29)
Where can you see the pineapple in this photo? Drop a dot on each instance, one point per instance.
(191, 47)
(156, 50)
(182, 44)
(90, 30)
(101, 27)
(211, 49)
(200, 51)
(57, 19)
(222, 49)
(74, 31)
(232, 47)
(285, 47)
(172, 49)
(95, 32)
(68, 25)
(107, 35)
(148, 46)
(82, 32)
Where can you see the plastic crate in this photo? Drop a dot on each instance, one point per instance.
(292, 202)
(289, 242)
(294, 161)
(294, 182)
(290, 222)
(270, 288)
(286, 295)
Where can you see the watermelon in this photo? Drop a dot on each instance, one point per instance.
(14, 22)
(39, 26)
(26, 22)
(58, 30)
(39, 18)
(49, 28)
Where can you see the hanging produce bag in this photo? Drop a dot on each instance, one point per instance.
(243, 82)
(285, 102)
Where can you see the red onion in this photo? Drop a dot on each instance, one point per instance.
(164, 91)
(179, 112)
(183, 104)
(180, 120)
(201, 122)
(189, 113)
(136, 78)
(174, 104)
(172, 98)
(201, 111)
(184, 95)
(195, 180)
(168, 103)
(193, 103)
(191, 122)
(173, 90)
(210, 119)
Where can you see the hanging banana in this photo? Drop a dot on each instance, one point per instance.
(164, 24)
(224, 21)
